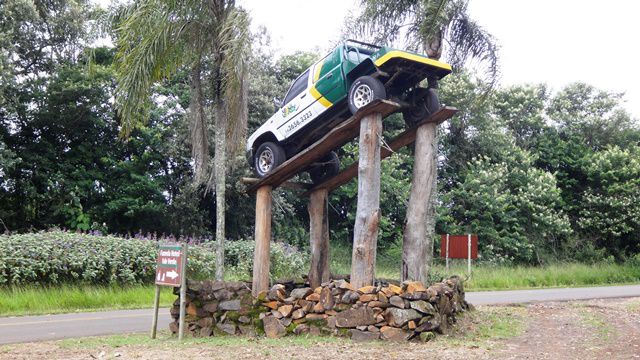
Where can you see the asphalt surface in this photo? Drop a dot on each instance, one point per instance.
(53, 327)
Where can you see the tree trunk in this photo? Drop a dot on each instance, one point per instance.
(261, 252)
(219, 161)
(363, 263)
(319, 236)
(417, 247)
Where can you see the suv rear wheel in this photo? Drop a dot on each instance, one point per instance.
(330, 167)
(363, 91)
(425, 102)
(268, 157)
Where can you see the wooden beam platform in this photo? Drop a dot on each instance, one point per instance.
(337, 137)
(402, 140)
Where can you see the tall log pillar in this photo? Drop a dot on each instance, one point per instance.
(365, 231)
(263, 240)
(417, 247)
(319, 237)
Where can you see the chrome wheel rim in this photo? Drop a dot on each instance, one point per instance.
(265, 161)
(362, 95)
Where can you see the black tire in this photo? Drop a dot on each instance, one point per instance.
(363, 91)
(330, 167)
(426, 102)
(268, 157)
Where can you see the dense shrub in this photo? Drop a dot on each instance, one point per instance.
(57, 257)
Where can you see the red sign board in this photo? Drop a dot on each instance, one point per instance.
(459, 246)
(168, 265)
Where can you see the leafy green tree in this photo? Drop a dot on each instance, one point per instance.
(610, 213)
(211, 38)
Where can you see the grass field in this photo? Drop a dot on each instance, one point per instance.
(63, 299)
(486, 277)
(49, 300)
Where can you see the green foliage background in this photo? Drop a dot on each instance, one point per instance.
(539, 175)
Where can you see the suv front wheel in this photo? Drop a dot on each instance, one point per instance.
(268, 157)
(363, 91)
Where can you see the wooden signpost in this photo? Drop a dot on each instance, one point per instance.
(171, 269)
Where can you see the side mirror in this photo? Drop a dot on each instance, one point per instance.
(277, 103)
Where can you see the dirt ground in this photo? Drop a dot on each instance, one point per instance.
(594, 329)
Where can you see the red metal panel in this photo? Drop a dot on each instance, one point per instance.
(458, 246)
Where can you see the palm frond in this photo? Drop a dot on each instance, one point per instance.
(235, 45)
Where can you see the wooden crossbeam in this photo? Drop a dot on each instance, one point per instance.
(402, 140)
(337, 137)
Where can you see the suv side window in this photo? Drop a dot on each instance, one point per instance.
(297, 87)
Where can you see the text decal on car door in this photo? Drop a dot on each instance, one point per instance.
(297, 122)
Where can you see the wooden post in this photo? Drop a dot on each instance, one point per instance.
(319, 237)
(417, 247)
(447, 255)
(183, 291)
(156, 305)
(263, 240)
(365, 231)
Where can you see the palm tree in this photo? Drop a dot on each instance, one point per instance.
(211, 39)
(433, 26)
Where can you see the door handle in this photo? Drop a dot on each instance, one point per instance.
(330, 76)
(303, 95)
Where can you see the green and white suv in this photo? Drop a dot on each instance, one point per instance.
(334, 88)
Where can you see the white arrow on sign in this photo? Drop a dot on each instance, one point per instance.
(172, 274)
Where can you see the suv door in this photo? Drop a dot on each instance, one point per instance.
(294, 112)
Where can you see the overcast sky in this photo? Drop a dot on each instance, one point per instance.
(543, 41)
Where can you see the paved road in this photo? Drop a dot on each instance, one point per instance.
(51, 327)
(560, 294)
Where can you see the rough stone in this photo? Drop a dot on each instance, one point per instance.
(414, 286)
(300, 293)
(276, 314)
(355, 317)
(285, 310)
(271, 305)
(429, 323)
(326, 299)
(398, 317)
(244, 319)
(298, 314)
(205, 322)
(397, 301)
(369, 289)
(315, 297)
(358, 335)
(344, 284)
(415, 296)
(394, 334)
(301, 329)
(318, 308)
(211, 307)
(223, 294)
(273, 328)
(423, 306)
(397, 290)
(286, 321)
(206, 331)
(247, 330)
(368, 297)
(311, 317)
(227, 328)
(229, 305)
(173, 326)
(383, 297)
(373, 328)
(350, 297)
(378, 304)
